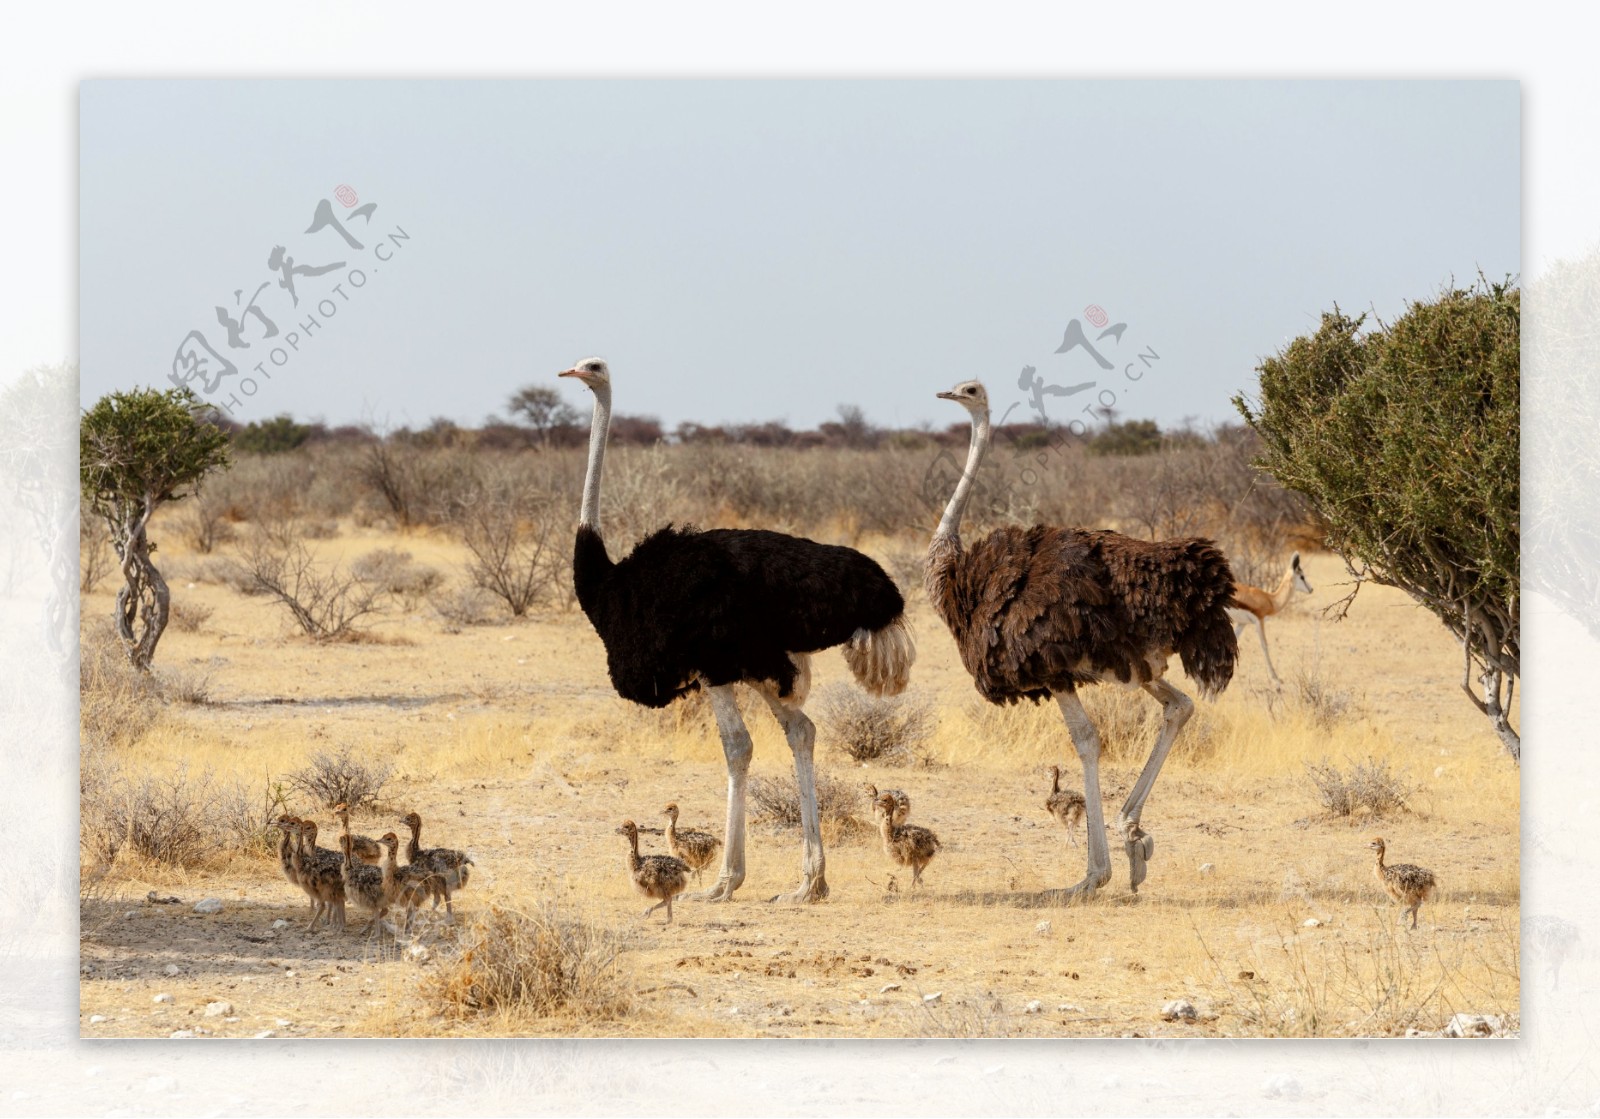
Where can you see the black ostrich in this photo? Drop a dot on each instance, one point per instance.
(1039, 612)
(688, 609)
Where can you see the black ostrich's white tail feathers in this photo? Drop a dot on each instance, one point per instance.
(881, 659)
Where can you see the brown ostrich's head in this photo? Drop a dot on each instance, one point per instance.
(412, 821)
(592, 371)
(671, 811)
(1376, 845)
(971, 395)
(629, 829)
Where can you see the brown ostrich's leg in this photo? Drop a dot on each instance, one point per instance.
(737, 748)
(1176, 709)
(1086, 740)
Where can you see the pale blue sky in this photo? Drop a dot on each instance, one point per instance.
(758, 250)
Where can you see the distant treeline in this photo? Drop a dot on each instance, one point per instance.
(851, 431)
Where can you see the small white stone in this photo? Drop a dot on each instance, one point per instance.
(96, 1019)
(208, 905)
(934, 998)
(1042, 928)
(419, 953)
(1068, 1008)
(733, 1010)
(284, 1022)
(887, 987)
(289, 971)
(266, 1033)
(1178, 1009)
(130, 914)
(1208, 868)
(280, 923)
(163, 997)
(1033, 1007)
(218, 1009)
(1311, 923)
(171, 970)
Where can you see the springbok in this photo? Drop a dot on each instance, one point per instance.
(1253, 606)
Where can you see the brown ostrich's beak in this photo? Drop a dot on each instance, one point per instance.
(569, 373)
(945, 395)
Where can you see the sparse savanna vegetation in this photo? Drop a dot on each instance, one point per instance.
(389, 623)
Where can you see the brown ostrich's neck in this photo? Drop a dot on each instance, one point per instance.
(414, 847)
(950, 523)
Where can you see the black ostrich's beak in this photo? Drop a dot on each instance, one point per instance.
(569, 373)
(945, 395)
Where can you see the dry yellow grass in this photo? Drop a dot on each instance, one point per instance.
(510, 743)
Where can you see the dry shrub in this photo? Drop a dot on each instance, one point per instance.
(116, 702)
(203, 521)
(327, 605)
(459, 607)
(180, 686)
(341, 778)
(188, 617)
(541, 961)
(396, 573)
(1370, 787)
(892, 731)
(776, 800)
(176, 818)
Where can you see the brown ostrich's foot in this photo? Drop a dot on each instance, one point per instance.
(722, 891)
(1140, 847)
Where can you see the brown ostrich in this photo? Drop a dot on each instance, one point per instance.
(654, 876)
(1065, 805)
(1409, 885)
(322, 877)
(1039, 612)
(907, 844)
(695, 847)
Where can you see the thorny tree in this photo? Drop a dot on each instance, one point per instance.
(139, 450)
(1405, 439)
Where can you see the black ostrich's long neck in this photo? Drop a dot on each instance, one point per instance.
(950, 524)
(599, 427)
(590, 562)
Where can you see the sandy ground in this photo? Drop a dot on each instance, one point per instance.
(1259, 910)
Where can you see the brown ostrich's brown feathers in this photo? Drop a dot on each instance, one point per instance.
(1039, 611)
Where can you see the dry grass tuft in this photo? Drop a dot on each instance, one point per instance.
(541, 961)
(888, 731)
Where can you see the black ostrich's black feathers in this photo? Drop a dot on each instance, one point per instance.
(727, 605)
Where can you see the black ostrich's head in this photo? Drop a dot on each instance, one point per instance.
(592, 371)
(971, 395)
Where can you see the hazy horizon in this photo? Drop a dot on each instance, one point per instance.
(753, 251)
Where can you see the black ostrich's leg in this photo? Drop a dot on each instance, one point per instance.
(802, 735)
(1176, 709)
(1086, 740)
(737, 748)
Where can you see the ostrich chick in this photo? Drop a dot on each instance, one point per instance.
(695, 847)
(1065, 805)
(902, 803)
(654, 876)
(368, 887)
(907, 844)
(441, 871)
(364, 848)
(321, 877)
(1408, 885)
